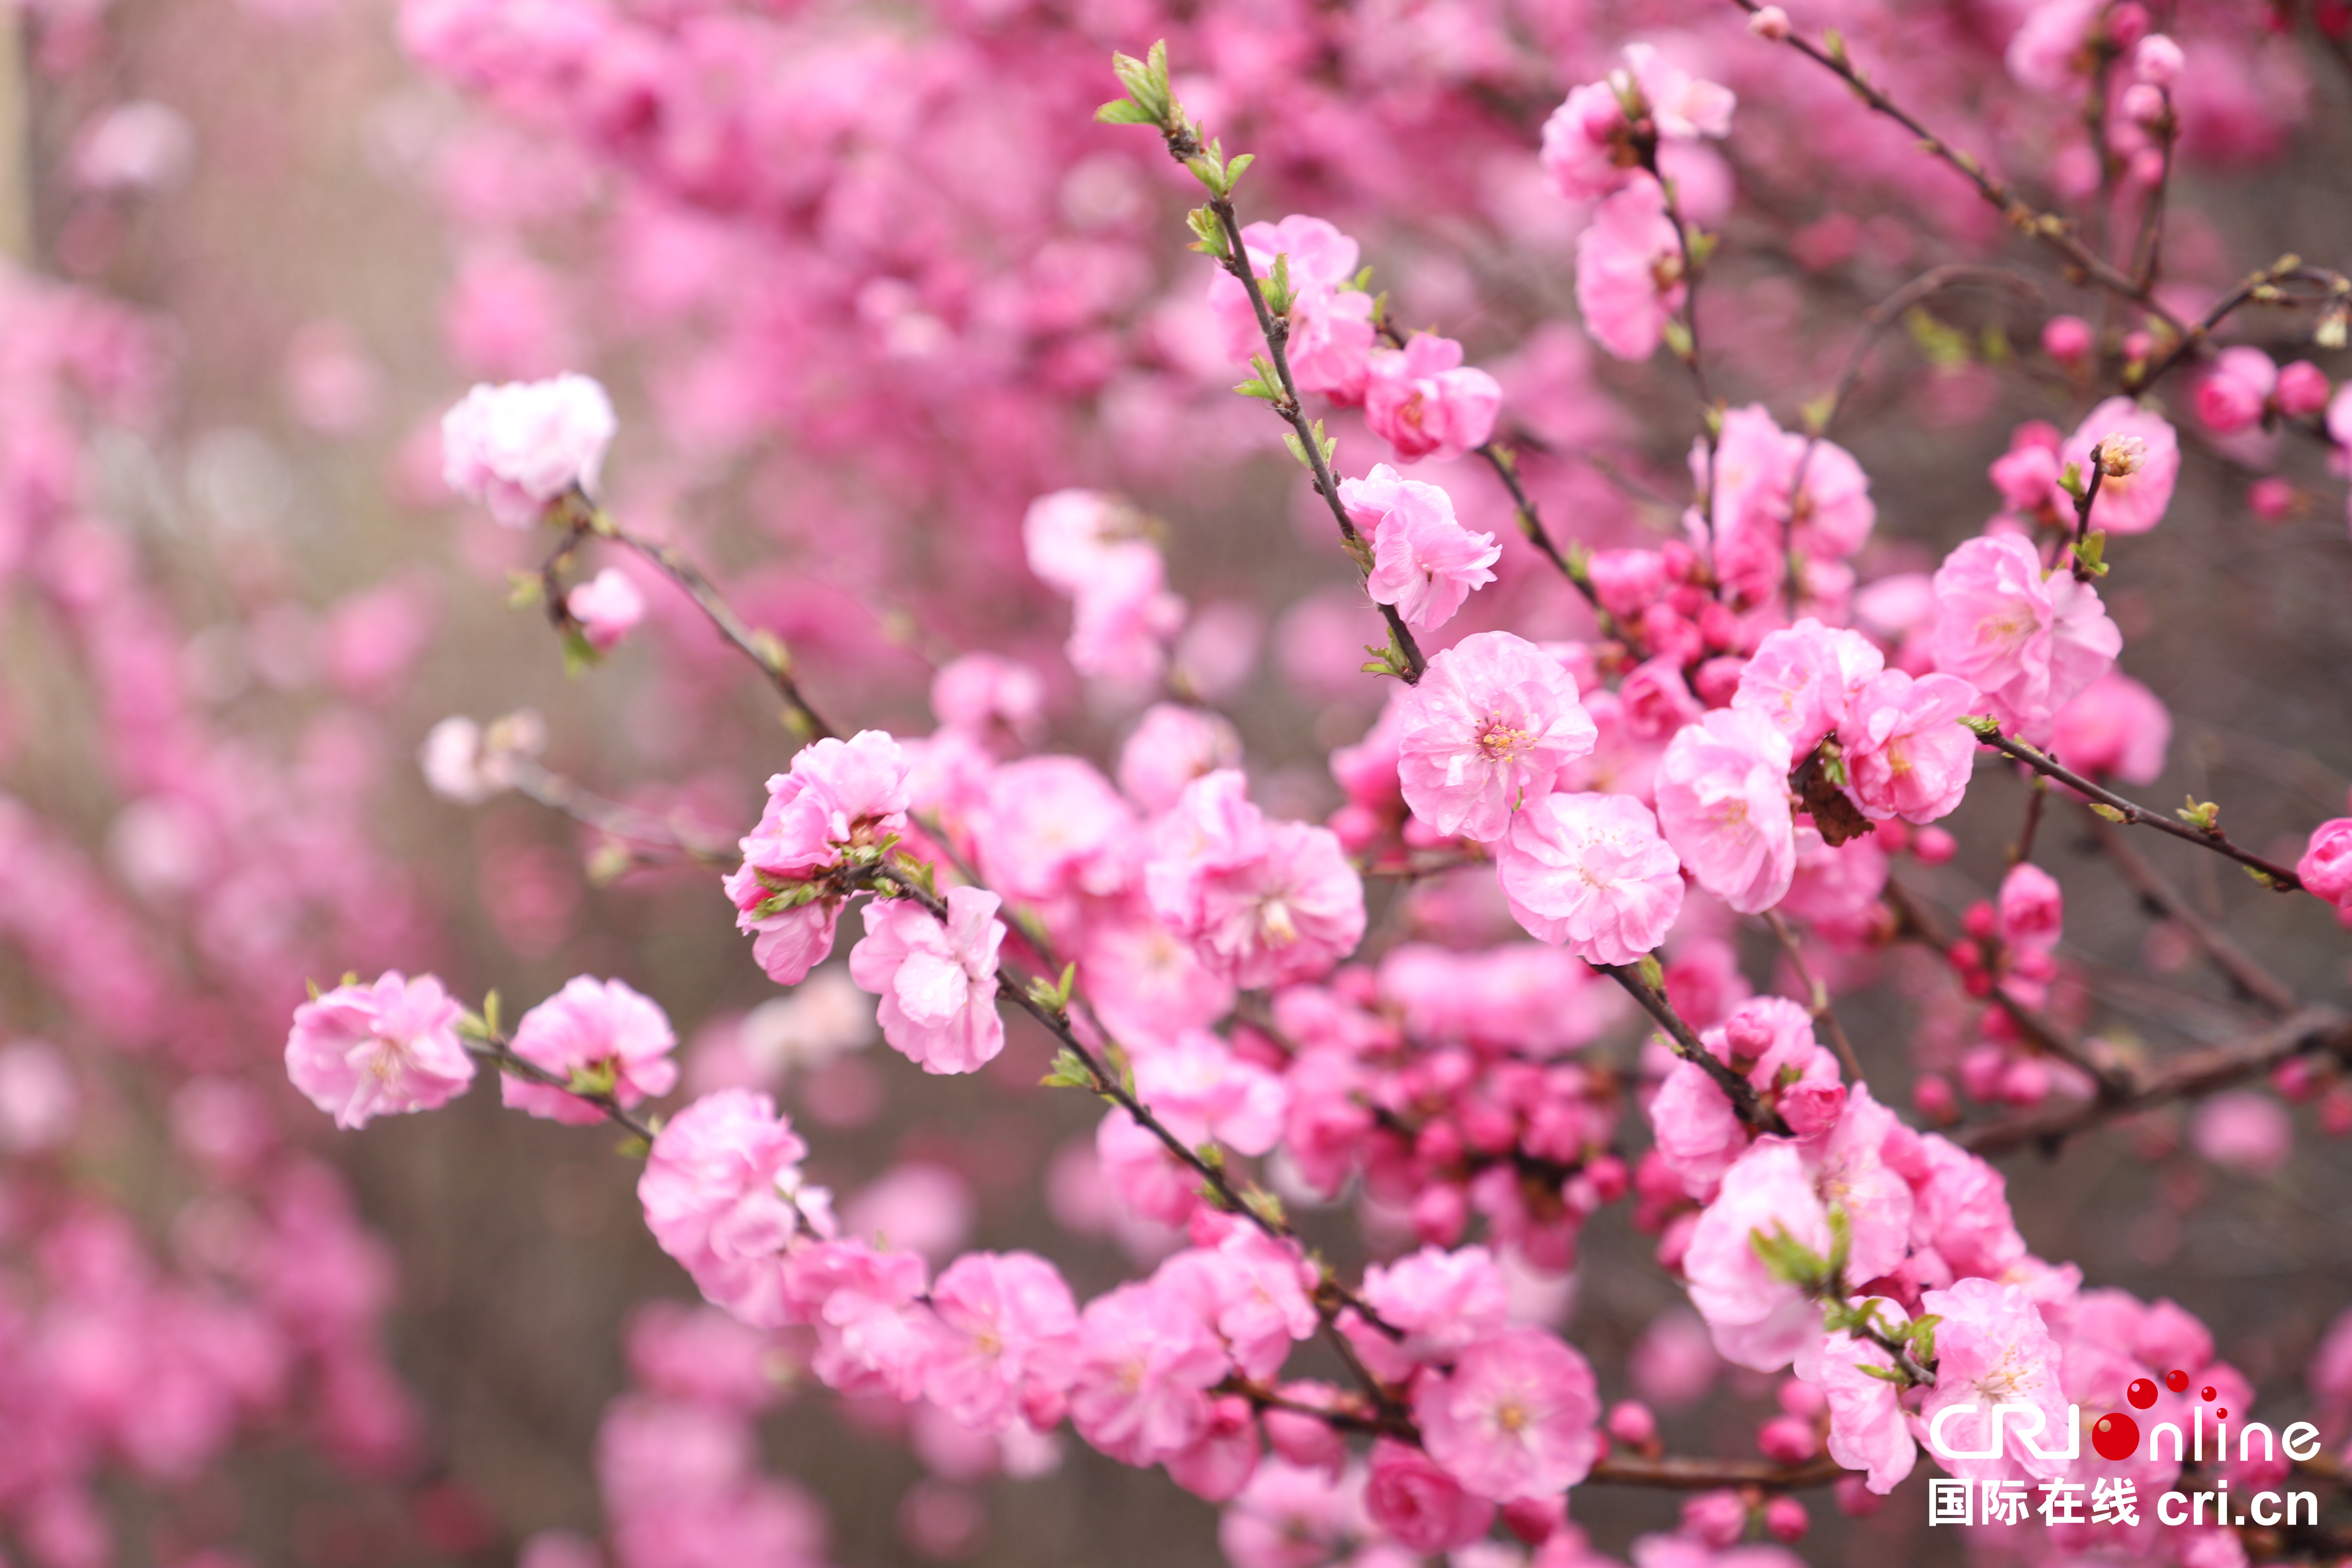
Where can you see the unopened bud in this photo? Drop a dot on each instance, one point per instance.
(1771, 22)
(2121, 455)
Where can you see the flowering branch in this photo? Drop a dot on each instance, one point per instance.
(1817, 995)
(2317, 1028)
(761, 647)
(2048, 227)
(483, 1041)
(1688, 1045)
(2260, 286)
(2201, 824)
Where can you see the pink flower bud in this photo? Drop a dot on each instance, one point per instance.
(1785, 1518)
(2303, 389)
(2067, 338)
(1934, 846)
(1631, 1423)
(1855, 1499)
(607, 607)
(1935, 1099)
(2143, 103)
(1718, 1517)
(2235, 391)
(2245, 1132)
(1533, 1520)
(2158, 60)
(1770, 22)
(2326, 867)
(1787, 1440)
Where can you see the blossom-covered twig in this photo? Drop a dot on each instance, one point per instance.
(2262, 286)
(486, 1045)
(1687, 1044)
(2186, 1077)
(2206, 831)
(1817, 995)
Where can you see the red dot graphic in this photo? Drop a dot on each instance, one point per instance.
(2115, 1435)
(2208, 1393)
(2176, 1381)
(2142, 1393)
(2221, 1415)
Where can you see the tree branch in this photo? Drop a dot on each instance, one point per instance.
(2245, 973)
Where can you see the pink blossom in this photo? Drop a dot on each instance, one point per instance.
(1592, 872)
(722, 1195)
(360, 1051)
(1003, 1319)
(1961, 1211)
(1907, 754)
(1071, 536)
(1122, 619)
(2158, 60)
(1261, 902)
(2132, 502)
(1424, 403)
(516, 446)
(1759, 507)
(607, 607)
(597, 1034)
(1725, 807)
(1869, 1430)
(2326, 867)
(1252, 1292)
(2302, 389)
(1588, 143)
(1517, 1416)
(2236, 391)
(2048, 53)
(1423, 561)
(1141, 1364)
(1629, 272)
(1682, 105)
(1050, 827)
(980, 692)
(2027, 474)
(1488, 726)
(1770, 1041)
(1199, 1086)
(840, 798)
(1423, 1507)
(1759, 1320)
(2033, 907)
(1801, 677)
(1331, 329)
(2027, 641)
(1171, 746)
(1441, 1301)
(2245, 1132)
(1992, 1351)
(2113, 729)
(937, 978)
(1288, 1516)
(1221, 1460)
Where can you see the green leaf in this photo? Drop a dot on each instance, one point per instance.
(1984, 725)
(1653, 974)
(1265, 1205)
(1124, 111)
(1678, 339)
(1069, 1072)
(490, 1013)
(2110, 813)
(1883, 1374)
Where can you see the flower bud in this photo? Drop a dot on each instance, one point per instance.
(2067, 338)
(2121, 455)
(2158, 60)
(1770, 22)
(1785, 1518)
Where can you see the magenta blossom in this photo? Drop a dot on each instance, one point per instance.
(1869, 1430)
(1263, 902)
(594, 1034)
(2027, 639)
(1518, 1416)
(1801, 677)
(937, 978)
(1760, 1319)
(518, 447)
(1629, 272)
(2237, 390)
(1004, 1320)
(841, 798)
(1423, 561)
(1589, 871)
(1723, 805)
(2131, 502)
(1491, 723)
(2115, 728)
(2326, 867)
(1331, 331)
(1422, 401)
(1142, 1362)
(360, 1051)
(1993, 1352)
(1426, 1510)
(1906, 753)
(607, 607)
(722, 1195)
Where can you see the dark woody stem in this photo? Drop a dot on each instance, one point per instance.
(494, 1050)
(2041, 762)
(1817, 995)
(1687, 1044)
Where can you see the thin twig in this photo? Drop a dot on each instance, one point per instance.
(558, 793)
(1817, 995)
(2279, 876)
(1687, 1044)
(2260, 287)
(2244, 972)
(2185, 1076)
(498, 1053)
